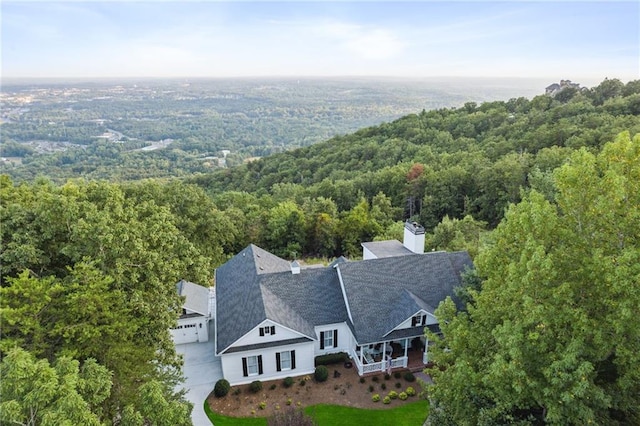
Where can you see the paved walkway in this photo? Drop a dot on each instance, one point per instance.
(202, 369)
(423, 376)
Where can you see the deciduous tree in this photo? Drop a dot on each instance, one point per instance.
(554, 335)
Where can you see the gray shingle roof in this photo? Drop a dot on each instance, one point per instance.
(389, 248)
(378, 289)
(196, 296)
(314, 294)
(255, 285)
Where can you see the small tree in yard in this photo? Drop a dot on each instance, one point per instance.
(290, 417)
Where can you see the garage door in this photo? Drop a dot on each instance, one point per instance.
(187, 333)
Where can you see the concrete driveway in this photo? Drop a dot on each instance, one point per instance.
(202, 369)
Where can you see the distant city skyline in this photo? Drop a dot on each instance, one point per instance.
(581, 41)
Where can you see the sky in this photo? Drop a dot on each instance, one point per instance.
(544, 39)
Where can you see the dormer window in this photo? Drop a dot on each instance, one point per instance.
(267, 330)
(418, 320)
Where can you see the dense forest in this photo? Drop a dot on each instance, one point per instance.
(549, 333)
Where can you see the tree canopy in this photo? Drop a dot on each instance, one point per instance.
(89, 272)
(553, 336)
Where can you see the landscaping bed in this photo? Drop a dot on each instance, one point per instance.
(343, 387)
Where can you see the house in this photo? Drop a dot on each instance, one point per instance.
(274, 317)
(555, 88)
(193, 324)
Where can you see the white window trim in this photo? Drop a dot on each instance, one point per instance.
(282, 368)
(249, 373)
(328, 336)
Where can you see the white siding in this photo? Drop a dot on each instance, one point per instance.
(407, 323)
(345, 338)
(281, 333)
(232, 363)
(367, 254)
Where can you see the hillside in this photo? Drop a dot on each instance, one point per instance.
(453, 161)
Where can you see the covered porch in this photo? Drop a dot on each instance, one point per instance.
(409, 352)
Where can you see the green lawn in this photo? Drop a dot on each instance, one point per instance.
(411, 414)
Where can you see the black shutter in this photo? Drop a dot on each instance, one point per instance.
(322, 340)
(424, 319)
(278, 367)
(273, 329)
(335, 338)
(293, 359)
(414, 321)
(261, 331)
(245, 373)
(259, 364)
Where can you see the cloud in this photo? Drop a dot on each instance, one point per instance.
(366, 42)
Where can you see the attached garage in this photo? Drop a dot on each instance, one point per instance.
(189, 331)
(193, 324)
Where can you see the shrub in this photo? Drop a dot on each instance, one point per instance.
(393, 395)
(386, 400)
(371, 388)
(410, 391)
(221, 388)
(362, 380)
(409, 377)
(375, 379)
(237, 391)
(303, 382)
(329, 359)
(387, 376)
(403, 395)
(398, 385)
(290, 416)
(397, 375)
(262, 405)
(273, 386)
(321, 374)
(255, 386)
(287, 382)
(383, 386)
(375, 397)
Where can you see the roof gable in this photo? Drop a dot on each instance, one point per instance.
(256, 285)
(384, 292)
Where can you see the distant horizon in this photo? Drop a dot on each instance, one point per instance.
(581, 41)
(187, 79)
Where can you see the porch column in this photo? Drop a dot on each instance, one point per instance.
(360, 354)
(384, 356)
(425, 356)
(406, 345)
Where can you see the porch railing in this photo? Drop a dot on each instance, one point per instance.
(370, 368)
(400, 362)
